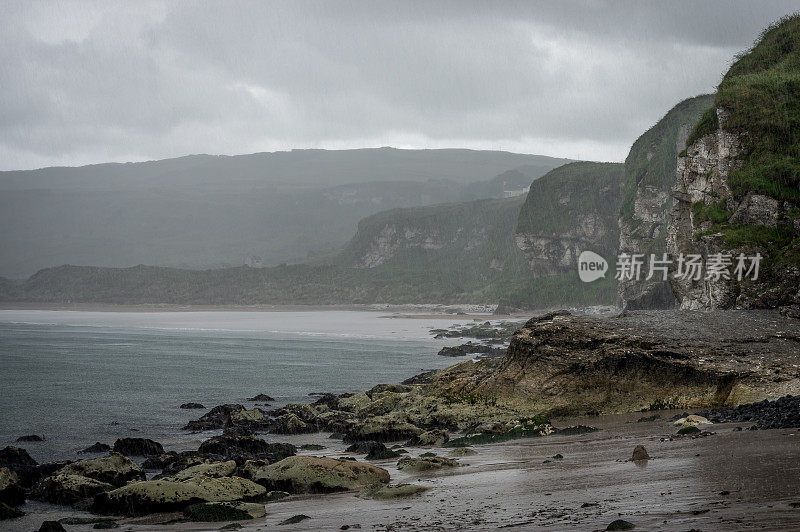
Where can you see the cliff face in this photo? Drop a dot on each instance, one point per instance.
(649, 176)
(738, 186)
(569, 210)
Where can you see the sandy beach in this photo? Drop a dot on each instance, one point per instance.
(730, 480)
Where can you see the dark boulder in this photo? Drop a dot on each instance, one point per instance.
(261, 397)
(20, 462)
(51, 526)
(640, 453)
(373, 449)
(189, 406)
(97, 448)
(214, 418)
(30, 438)
(138, 447)
(243, 448)
(9, 512)
(11, 491)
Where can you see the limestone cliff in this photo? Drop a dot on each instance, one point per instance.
(649, 176)
(569, 210)
(738, 182)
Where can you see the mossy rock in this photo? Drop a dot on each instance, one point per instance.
(310, 474)
(462, 451)
(114, 469)
(689, 429)
(431, 437)
(418, 465)
(68, 489)
(277, 495)
(214, 511)
(391, 491)
(620, 524)
(381, 429)
(354, 402)
(11, 491)
(211, 470)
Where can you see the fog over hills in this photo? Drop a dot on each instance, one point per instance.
(204, 211)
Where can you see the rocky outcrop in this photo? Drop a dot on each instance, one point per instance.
(646, 201)
(566, 364)
(310, 474)
(114, 469)
(138, 447)
(738, 186)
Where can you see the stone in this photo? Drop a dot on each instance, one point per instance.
(381, 428)
(30, 438)
(190, 406)
(418, 465)
(309, 474)
(640, 453)
(113, 469)
(391, 491)
(215, 511)
(620, 524)
(165, 495)
(20, 462)
(373, 450)
(11, 491)
(463, 451)
(211, 470)
(138, 447)
(69, 489)
(243, 448)
(262, 397)
(290, 424)
(97, 447)
(692, 420)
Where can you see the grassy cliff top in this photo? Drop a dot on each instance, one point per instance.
(761, 93)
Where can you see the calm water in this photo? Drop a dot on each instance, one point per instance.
(81, 377)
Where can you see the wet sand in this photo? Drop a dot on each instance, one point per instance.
(507, 485)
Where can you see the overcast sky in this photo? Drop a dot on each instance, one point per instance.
(84, 82)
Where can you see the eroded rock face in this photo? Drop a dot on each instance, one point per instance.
(565, 364)
(114, 469)
(703, 183)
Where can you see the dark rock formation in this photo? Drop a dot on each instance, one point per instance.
(20, 462)
(97, 448)
(262, 397)
(243, 448)
(783, 413)
(30, 438)
(373, 450)
(565, 364)
(187, 406)
(138, 447)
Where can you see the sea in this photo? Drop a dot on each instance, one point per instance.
(77, 377)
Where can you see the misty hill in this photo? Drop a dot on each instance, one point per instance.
(205, 211)
(415, 265)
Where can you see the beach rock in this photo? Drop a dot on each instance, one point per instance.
(250, 467)
(462, 451)
(214, 418)
(329, 400)
(620, 524)
(293, 520)
(262, 397)
(9, 512)
(391, 491)
(11, 491)
(30, 438)
(51, 526)
(113, 469)
(48, 468)
(20, 462)
(190, 406)
(394, 388)
(692, 420)
(68, 489)
(373, 450)
(334, 420)
(640, 453)
(689, 430)
(421, 464)
(96, 448)
(290, 424)
(224, 511)
(243, 448)
(432, 437)
(354, 402)
(380, 428)
(275, 495)
(165, 496)
(171, 463)
(199, 471)
(310, 474)
(138, 447)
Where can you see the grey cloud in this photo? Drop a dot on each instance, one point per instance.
(88, 82)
